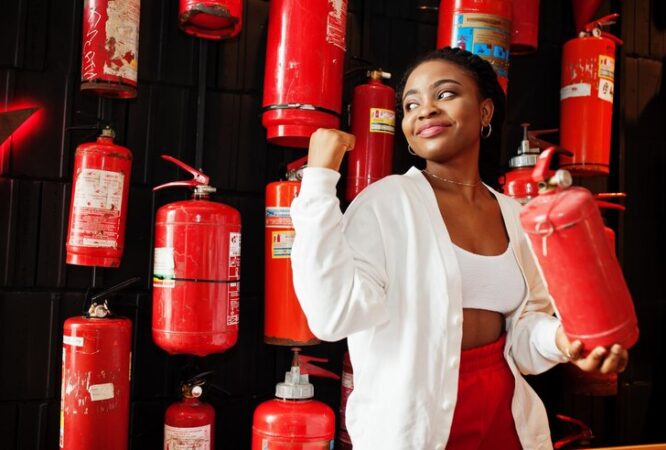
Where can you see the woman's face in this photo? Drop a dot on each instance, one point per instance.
(443, 111)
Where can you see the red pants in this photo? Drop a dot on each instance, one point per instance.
(483, 419)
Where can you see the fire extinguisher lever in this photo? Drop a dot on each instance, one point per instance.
(595, 28)
(97, 310)
(545, 176)
(310, 369)
(295, 169)
(199, 181)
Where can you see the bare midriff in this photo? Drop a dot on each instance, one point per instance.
(481, 327)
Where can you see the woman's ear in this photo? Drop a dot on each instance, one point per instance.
(487, 109)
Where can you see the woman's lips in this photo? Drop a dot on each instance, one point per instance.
(431, 130)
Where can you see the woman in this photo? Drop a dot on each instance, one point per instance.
(431, 279)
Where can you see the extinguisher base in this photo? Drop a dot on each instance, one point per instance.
(209, 22)
(109, 89)
(290, 135)
(585, 170)
(96, 261)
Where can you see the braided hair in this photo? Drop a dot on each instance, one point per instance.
(486, 80)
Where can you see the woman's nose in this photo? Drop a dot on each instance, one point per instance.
(427, 110)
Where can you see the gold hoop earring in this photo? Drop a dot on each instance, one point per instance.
(411, 152)
(486, 134)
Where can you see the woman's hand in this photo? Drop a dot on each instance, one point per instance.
(598, 360)
(328, 147)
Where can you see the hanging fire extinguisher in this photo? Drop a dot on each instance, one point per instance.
(284, 320)
(305, 55)
(95, 390)
(211, 19)
(190, 423)
(518, 182)
(525, 29)
(109, 58)
(596, 383)
(586, 99)
(482, 27)
(196, 271)
(98, 206)
(373, 124)
(582, 273)
(346, 388)
(294, 420)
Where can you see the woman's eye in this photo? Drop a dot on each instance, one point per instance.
(445, 95)
(409, 106)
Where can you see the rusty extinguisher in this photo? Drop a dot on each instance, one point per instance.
(284, 320)
(109, 57)
(582, 273)
(373, 124)
(294, 420)
(518, 182)
(596, 383)
(196, 271)
(98, 207)
(190, 423)
(95, 389)
(305, 54)
(525, 27)
(586, 98)
(482, 27)
(346, 388)
(211, 19)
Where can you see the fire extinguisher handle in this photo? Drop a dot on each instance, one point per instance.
(113, 289)
(542, 171)
(612, 37)
(601, 22)
(609, 205)
(311, 369)
(198, 178)
(295, 165)
(188, 183)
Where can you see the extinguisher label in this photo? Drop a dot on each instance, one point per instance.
(194, 438)
(485, 35)
(281, 244)
(74, 341)
(382, 121)
(606, 90)
(607, 67)
(576, 90)
(234, 304)
(99, 392)
(164, 268)
(122, 31)
(336, 24)
(97, 206)
(278, 217)
(234, 255)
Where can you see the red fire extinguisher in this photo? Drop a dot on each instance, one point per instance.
(98, 206)
(196, 271)
(518, 182)
(346, 388)
(109, 58)
(190, 423)
(582, 273)
(95, 389)
(373, 124)
(211, 19)
(284, 320)
(305, 55)
(482, 27)
(525, 29)
(586, 98)
(294, 420)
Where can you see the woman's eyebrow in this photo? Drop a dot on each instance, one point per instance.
(432, 86)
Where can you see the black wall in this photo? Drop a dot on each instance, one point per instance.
(39, 65)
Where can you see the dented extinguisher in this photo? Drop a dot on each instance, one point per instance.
(373, 125)
(586, 98)
(211, 19)
(518, 182)
(95, 391)
(582, 273)
(284, 320)
(110, 53)
(196, 271)
(98, 207)
(190, 423)
(294, 420)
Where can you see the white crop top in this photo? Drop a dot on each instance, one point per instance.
(494, 283)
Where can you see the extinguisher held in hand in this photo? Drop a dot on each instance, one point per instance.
(196, 271)
(294, 421)
(95, 390)
(98, 207)
(373, 125)
(305, 55)
(582, 273)
(284, 321)
(586, 98)
(109, 57)
(482, 27)
(518, 182)
(211, 19)
(190, 423)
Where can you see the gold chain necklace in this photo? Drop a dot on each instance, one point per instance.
(451, 181)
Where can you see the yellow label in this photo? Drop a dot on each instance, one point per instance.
(382, 121)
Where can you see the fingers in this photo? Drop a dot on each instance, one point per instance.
(575, 351)
(603, 360)
(328, 147)
(616, 361)
(593, 361)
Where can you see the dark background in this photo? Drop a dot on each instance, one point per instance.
(40, 44)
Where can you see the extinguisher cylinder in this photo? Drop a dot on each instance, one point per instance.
(211, 19)
(189, 423)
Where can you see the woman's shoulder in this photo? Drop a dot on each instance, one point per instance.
(386, 190)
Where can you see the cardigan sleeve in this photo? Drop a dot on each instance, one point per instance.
(338, 263)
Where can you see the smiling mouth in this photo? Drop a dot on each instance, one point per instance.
(432, 130)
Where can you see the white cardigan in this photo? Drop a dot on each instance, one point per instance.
(386, 277)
